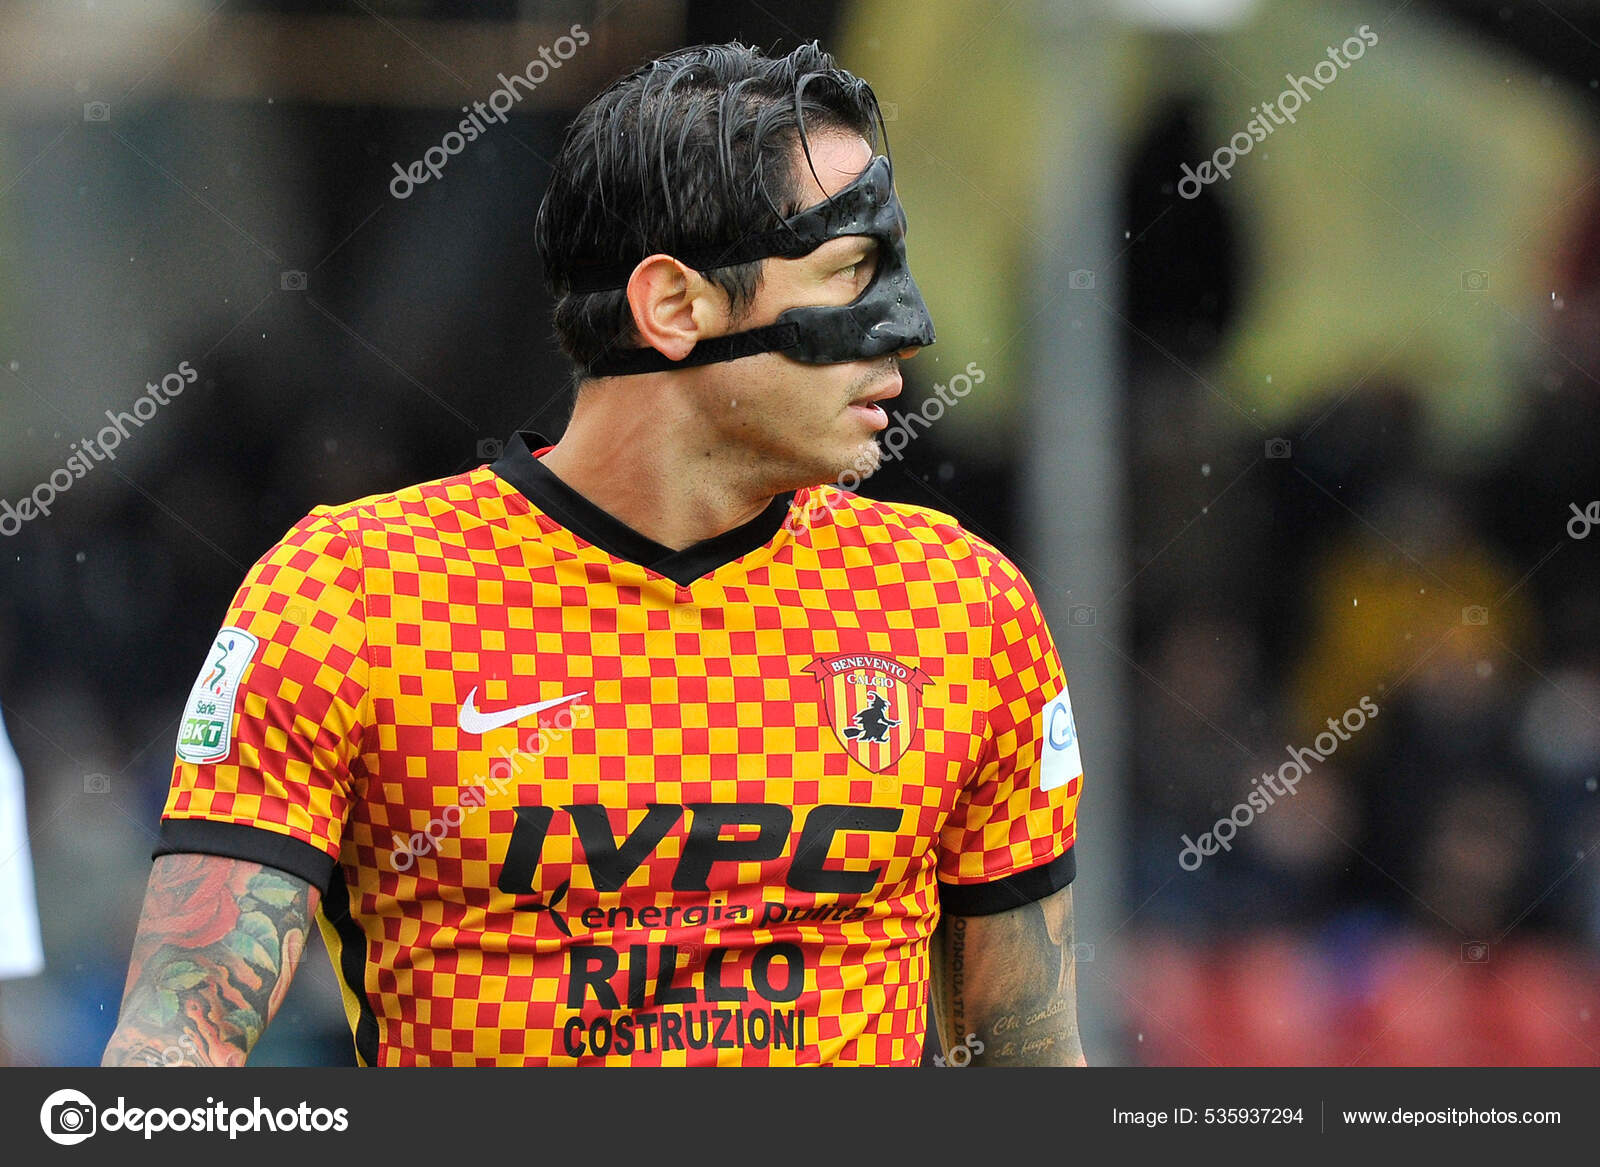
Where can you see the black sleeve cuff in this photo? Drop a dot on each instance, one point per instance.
(237, 841)
(986, 899)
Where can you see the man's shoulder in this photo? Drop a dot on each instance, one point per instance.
(871, 520)
(477, 495)
(849, 508)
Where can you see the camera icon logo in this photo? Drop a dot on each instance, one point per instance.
(1083, 953)
(489, 449)
(96, 111)
(890, 110)
(292, 281)
(68, 1117)
(1081, 615)
(1475, 952)
(1474, 614)
(1080, 280)
(96, 784)
(1278, 448)
(1475, 281)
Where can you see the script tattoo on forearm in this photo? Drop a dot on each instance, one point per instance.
(217, 946)
(1010, 981)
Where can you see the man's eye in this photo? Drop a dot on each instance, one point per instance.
(849, 273)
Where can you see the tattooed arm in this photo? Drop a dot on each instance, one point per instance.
(217, 946)
(1009, 980)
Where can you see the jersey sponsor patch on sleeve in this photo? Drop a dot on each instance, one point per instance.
(1062, 761)
(206, 733)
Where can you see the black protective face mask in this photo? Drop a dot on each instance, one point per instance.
(888, 316)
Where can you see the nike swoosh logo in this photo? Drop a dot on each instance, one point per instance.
(473, 721)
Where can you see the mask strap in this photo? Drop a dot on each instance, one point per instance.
(782, 242)
(596, 276)
(769, 338)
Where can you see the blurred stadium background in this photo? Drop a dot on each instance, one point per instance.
(1314, 435)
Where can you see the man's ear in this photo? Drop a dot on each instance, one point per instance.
(674, 307)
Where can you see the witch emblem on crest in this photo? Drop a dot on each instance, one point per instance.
(873, 703)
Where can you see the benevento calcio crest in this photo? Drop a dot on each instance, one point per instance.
(874, 704)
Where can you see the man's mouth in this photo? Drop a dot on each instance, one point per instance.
(869, 407)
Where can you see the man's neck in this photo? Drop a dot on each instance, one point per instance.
(645, 468)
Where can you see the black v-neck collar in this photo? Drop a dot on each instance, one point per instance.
(539, 485)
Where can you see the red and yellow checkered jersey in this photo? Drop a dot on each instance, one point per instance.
(578, 798)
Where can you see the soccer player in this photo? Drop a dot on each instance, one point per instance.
(650, 747)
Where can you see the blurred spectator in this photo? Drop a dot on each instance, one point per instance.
(21, 954)
(1363, 995)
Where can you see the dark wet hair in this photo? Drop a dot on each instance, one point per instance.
(692, 150)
